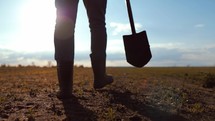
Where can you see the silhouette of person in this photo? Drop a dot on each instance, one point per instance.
(64, 43)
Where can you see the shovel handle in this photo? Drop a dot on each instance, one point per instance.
(130, 16)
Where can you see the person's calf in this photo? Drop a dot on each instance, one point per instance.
(65, 79)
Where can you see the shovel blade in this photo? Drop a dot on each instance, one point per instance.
(137, 49)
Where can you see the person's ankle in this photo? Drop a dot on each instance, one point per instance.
(99, 84)
(64, 95)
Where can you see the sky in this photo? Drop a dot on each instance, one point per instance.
(180, 32)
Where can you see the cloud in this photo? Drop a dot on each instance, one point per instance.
(24, 58)
(168, 45)
(175, 55)
(199, 25)
(120, 27)
(163, 54)
(115, 46)
(113, 59)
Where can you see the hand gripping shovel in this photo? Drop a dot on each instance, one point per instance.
(136, 46)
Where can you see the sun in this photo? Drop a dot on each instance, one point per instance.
(37, 21)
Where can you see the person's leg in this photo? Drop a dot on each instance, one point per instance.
(64, 29)
(96, 11)
(64, 44)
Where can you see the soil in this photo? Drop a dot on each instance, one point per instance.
(147, 94)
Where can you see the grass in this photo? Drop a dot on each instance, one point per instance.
(189, 74)
(209, 81)
(110, 115)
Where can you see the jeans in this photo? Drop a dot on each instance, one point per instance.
(65, 28)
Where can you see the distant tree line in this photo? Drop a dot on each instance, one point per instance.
(49, 65)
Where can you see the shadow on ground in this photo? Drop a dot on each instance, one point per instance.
(76, 112)
(147, 111)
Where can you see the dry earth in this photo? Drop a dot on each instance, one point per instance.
(147, 94)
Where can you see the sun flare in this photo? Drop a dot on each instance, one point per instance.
(37, 21)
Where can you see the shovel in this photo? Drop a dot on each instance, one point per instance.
(137, 48)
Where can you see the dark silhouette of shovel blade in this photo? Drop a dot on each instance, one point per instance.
(137, 49)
